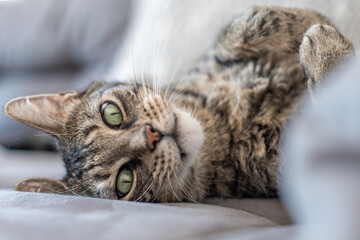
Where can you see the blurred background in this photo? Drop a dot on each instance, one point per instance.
(49, 46)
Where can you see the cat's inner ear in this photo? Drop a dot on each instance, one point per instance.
(47, 112)
(43, 185)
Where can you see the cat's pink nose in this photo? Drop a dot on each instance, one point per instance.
(152, 137)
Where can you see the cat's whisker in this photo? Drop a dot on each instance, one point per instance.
(169, 36)
(140, 95)
(132, 56)
(127, 61)
(172, 189)
(147, 190)
(176, 93)
(73, 189)
(182, 184)
(160, 181)
(156, 51)
(173, 75)
(65, 193)
(143, 78)
(156, 192)
(186, 186)
(90, 186)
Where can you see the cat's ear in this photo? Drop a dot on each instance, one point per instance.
(43, 185)
(47, 112)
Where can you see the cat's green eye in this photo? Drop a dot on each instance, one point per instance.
(111, 114)
(124, 182)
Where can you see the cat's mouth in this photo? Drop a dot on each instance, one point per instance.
(188, 135)
(183, 154)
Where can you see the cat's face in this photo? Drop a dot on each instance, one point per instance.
(119, 141)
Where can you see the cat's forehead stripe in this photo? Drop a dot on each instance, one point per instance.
(110, 87)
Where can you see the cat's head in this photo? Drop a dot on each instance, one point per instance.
(118, 141)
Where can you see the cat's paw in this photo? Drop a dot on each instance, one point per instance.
(265, 29)
(323, 48)
(243, 36)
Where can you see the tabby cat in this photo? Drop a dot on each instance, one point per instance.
(215, 135)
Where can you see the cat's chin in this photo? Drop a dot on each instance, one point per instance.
(189, 136)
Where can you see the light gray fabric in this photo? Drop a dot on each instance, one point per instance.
(272, 209)
(48, 216)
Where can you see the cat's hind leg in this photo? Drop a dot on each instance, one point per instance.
(323, 49)
(265, 29)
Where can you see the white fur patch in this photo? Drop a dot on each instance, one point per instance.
(189, 134)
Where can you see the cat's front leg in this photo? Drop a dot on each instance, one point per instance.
(265, 29)
(323, 49)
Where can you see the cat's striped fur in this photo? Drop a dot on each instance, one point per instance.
(220, 129)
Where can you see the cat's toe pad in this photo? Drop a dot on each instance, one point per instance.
(322, 48)
(322, 41)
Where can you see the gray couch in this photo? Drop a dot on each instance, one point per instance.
(49, 46)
